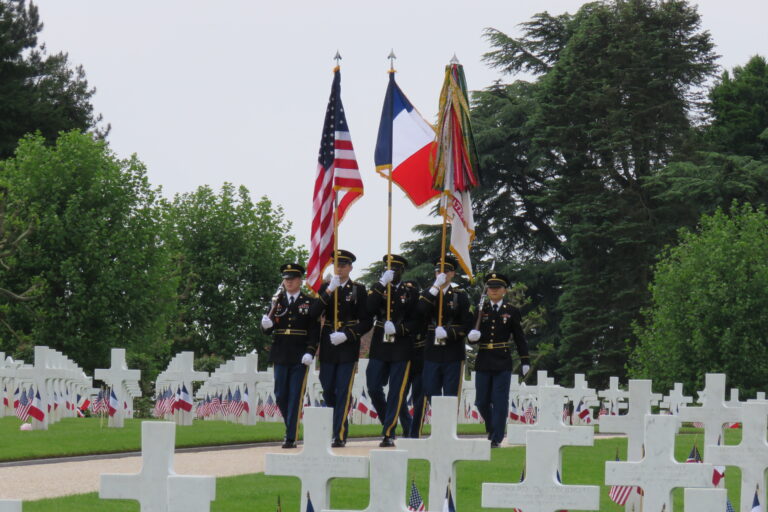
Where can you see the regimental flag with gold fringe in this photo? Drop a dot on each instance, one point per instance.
(455, 163)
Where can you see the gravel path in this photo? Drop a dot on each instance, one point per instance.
(52, 479)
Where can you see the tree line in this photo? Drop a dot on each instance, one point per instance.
(623, 141)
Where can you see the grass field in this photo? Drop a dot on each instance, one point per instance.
(258, 492)
(86, 436)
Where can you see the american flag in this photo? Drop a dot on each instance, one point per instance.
(566, 414)
(619, 494)
(698, 424)
(728, 506)
(415, 503)
(756, 507)
(530, 414)
(22, 410)
(694, 456)
(338, 182)
(603, 410)
(237, 403)
(269, 407)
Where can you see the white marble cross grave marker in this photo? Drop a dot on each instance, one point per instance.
(116, 378)
(713, 413)
(632, 424)
(180, 372)
(658, 473)
(614, 395)
(10, 506)
(443, 449)
(152, 487)
(676, 400)
(316, 465)
(389, 472)
(751, 455)
(705, 500)
(540, 491)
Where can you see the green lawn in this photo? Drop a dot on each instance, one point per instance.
(258, 492)
(81, 436)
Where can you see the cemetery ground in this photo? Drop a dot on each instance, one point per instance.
(90, 436)
(258, 492)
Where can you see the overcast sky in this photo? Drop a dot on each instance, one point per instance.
(207, 92)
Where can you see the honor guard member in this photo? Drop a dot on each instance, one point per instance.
(391, 347)
(295, 336)
(444, 352)
(498, 324)
(415, 382)
(340, 344)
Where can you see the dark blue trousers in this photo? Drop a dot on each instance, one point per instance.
(337, 379)
(290, 385)
(492, 400)
(418, 399)
(395, 373)
(442, 379)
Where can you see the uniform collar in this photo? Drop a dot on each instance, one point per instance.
(500, 303)
(294, 295)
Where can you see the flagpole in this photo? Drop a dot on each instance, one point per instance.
(391, 58)
(442, 259)
(337, 58)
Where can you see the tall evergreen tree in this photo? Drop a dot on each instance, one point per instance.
(38, 91)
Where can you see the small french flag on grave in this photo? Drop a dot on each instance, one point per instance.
(185, 402)
(36, 409)
(114, 404)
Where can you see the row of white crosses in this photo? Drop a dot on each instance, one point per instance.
(180, 374)
(123, 382)
(56, 378)
(240, 373)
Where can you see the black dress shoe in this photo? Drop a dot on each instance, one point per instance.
(387, 442)
(489, 436)
(289, 444)
(495, 444)
(338, 443)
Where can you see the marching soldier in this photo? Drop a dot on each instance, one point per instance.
(444, 352)
(498, 324)
(391, 347)
(415, 382)
(340, 343)
(295, 335)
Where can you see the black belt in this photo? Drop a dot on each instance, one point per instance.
(491, 346)
(291, 332)
(343, 324)
(379, 323)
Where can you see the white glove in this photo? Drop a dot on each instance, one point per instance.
(307, 359)
(440, 333)
(389, 327)
(387, 277)
(439, 282)
(266, 322)
(337, 338)
(473, 335)
(526, 369)
(335, 283)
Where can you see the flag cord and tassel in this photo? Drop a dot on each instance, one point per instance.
(442, 260)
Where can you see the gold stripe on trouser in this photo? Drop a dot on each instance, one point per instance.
(423, 414)
(301, 403)
(400, 398)
(342, 431)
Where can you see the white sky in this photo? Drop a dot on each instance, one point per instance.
(207, 92)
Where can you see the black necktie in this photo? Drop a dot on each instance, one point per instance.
(290, 302)
(495, 308)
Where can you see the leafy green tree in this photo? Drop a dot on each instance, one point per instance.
(739, 108)
(228, 251)
(38, 91)
(96, 249)
(709, 297)
(616, 85)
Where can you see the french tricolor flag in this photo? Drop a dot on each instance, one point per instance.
(404, 145)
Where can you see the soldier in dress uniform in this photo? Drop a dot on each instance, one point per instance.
(444, 352)
(340, 343)
(499, 324)
(391, 347)
(295, 335)
(415, 383)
